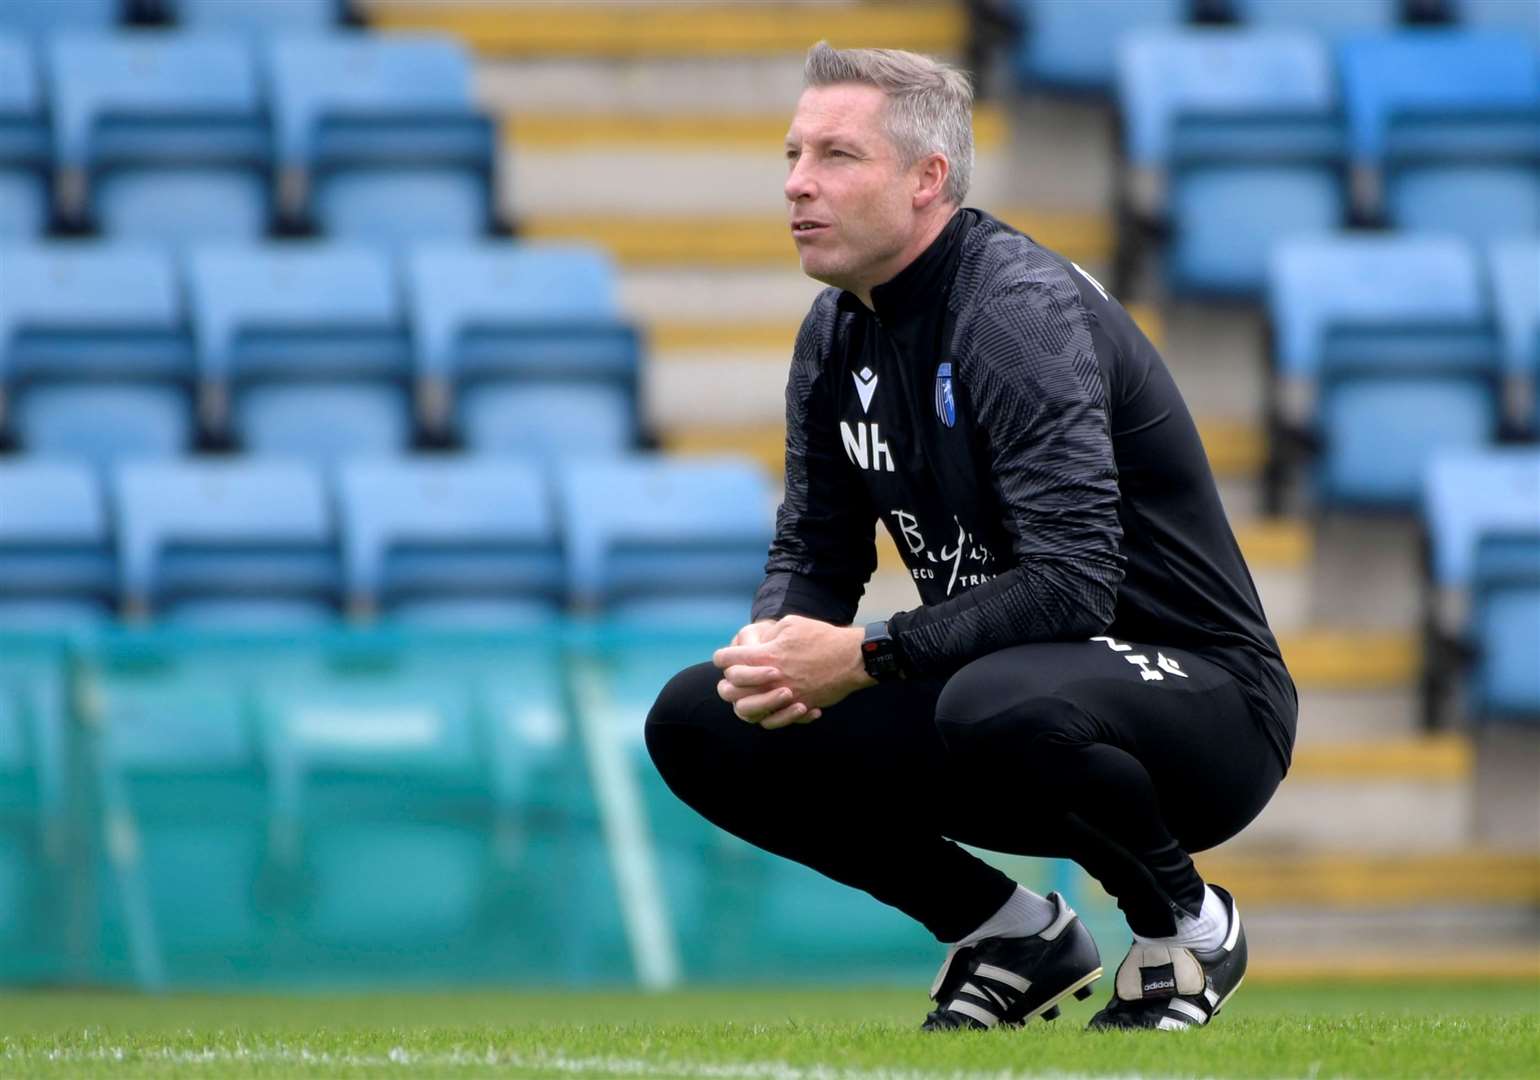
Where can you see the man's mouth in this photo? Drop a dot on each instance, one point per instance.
(806, 228)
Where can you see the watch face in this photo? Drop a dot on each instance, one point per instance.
(880, 658)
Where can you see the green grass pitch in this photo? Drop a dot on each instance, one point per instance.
(1344, 1029)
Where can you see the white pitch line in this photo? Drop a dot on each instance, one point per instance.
(279, 1054)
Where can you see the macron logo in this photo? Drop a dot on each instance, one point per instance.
(866, 386)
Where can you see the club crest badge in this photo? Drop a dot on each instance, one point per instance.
(946, 405)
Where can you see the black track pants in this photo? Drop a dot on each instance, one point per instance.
(1060, 750)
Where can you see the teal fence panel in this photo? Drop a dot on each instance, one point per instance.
(44, 931)
(389, 807)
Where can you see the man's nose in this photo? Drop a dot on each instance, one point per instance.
(799, 184)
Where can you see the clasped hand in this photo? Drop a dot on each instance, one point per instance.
(790, 670)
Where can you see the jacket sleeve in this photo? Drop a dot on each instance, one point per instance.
(1029, 368)
(824, 550)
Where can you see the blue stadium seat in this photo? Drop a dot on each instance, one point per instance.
(651, 538)
(308, 344)
(24, 145)
(461, 542)
(162, 137)
(1234, 120)
(1506, 625)
(57, 568)
(1452, 119)
(1074, 46)
(1396, 340)
(243, 544)
(395, 152)
(39, 18)
(1468, 494)
(529, 345)
(1516, 295)
(288, 17)
(1329, 17)
(1481, 511)
(94, 352)
(1520, 15)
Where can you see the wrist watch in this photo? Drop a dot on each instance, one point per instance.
(879, 653)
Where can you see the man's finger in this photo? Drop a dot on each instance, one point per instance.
(734, 694)
(791, 714)
(728, 655)
(756, 708)
(747, 675)
(809, 716)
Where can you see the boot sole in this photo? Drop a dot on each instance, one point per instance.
(1080, 989)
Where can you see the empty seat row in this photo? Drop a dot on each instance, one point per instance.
(1388, 349)
(1074, 46)
(49, 16)
(448, 541)
(1238, 138)
(313, 350)
(1481, 517)
(205, 136)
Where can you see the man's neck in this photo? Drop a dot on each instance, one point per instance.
(911, 251)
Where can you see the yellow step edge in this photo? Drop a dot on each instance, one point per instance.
(726, 337)
(1234, 447)
(765, 240)
(1434, 757)
(1275, 543)
(766, 444)
(678, 29)
(1351, 660)
(1364, 880)
(1401, 965)
(760, 134)
(1150, 320)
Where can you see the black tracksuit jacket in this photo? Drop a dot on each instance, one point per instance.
(1027, 449)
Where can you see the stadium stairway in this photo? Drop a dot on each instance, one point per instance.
(1381, 835)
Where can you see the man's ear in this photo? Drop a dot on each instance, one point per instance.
(930, 173)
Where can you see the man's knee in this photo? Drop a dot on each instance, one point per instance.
(682, 708)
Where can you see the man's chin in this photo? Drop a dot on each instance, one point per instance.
(823, 273)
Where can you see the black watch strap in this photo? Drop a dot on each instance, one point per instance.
(879, 653)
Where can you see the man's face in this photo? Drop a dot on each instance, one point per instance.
(848, 193)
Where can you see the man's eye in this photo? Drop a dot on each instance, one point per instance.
(791, 155)
(838, 153)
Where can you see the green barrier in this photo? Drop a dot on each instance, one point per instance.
(196, 809)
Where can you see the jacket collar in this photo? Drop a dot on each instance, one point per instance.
(922, 286)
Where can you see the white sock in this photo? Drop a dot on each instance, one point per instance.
(1024, 914)
(1203, 932)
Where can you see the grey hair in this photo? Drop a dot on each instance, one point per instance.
(930, 104)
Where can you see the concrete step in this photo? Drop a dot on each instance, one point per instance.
(667, 30)
(686, 181)
(1406, 794)
(720, 310)
(662, 86)
(678, 239)
(718, 132)
(1337, 814)
(1351, 659)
